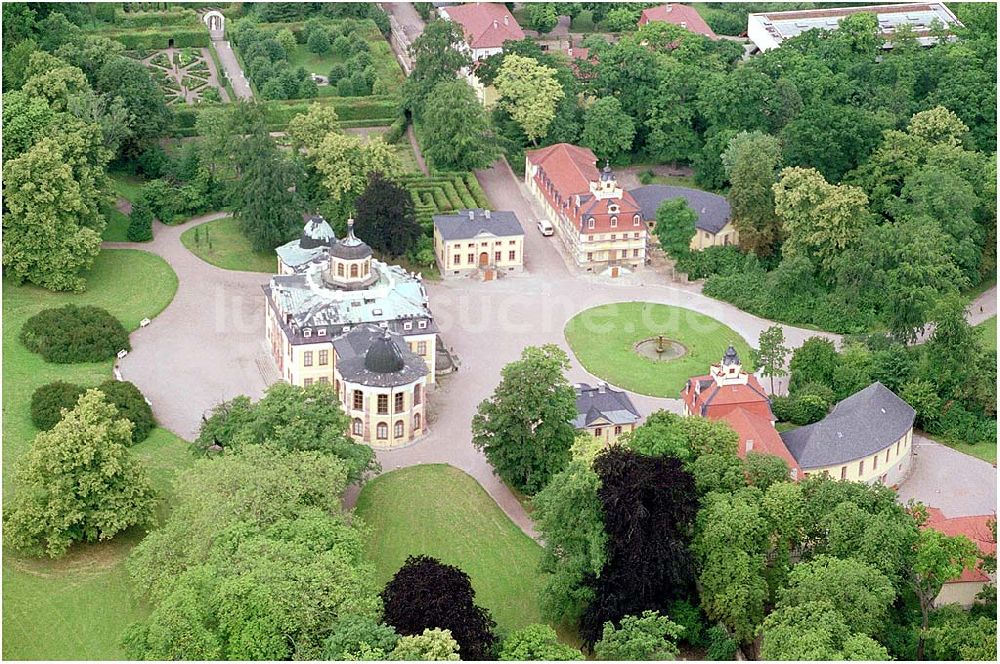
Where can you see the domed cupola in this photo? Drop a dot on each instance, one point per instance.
(730, 370)
(350, 262)
(730, 358)
(383, 356)
(317, 233)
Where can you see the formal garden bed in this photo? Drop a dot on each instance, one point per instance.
(222, 244)
(86, 591)
(604, 339)
(443, 192)
(442, 512)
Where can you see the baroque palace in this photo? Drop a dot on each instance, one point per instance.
(338, 316)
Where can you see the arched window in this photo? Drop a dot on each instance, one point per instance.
(614, 222)
(416, 421)
(354, 271)
(416, 395)
(340, 269)
(590, 222)
(382, 431)
(635, 220)
(357, 427)
(397, 429)
(367, 267)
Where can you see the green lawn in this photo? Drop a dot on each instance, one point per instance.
(988, 330)
(440, 511)
(229, 249)
(125, 185)
(603, 337)
(117, 228)
(76, 607)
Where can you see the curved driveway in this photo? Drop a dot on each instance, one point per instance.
(208, 345)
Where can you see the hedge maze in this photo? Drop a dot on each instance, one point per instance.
(443, 193)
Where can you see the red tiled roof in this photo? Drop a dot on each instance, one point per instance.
(682, 15)
(571, 168)
(486, 25)
(752, 426)
(976, 528)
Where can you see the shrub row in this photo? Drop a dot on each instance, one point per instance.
(70, 334)
(160, 38)
(48, 402)
(442, 193)
(179, 16)
(352, 111)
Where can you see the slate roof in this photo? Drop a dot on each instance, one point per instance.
(602, 402)
(864, 423)
(682, 15)
(713, 210)
(350, 247)
(462, 226)
(372, 356)
(486, 25)
(310, 302)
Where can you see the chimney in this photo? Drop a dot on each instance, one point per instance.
(472, 215)
(495, 24)
(487, 213)
(602, 388)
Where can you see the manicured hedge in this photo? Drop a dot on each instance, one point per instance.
(179, 16)
(374, 111)
(441, 193)
(69, 334)
(158, 38)
(48, 402)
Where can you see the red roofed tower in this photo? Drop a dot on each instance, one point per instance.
(730, 394)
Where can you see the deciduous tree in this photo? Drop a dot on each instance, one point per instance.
(384, 217)
(437, 57)
(425, 593)
(675, 226)
(939, 559)
(608, 130)
(455, 129)
(649, 637)
(524, 428)
(536, 643)
(431, 645)
(815, 631)
(752, 161)
(530, 92)
(78, 483)
(772, 352)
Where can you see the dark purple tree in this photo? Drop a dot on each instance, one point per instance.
(649, 508)
(384, 217)
(426, 593)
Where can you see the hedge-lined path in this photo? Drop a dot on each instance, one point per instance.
(418, 155)
(232, 66)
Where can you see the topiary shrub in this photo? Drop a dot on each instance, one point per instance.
(69, 334)
(48, 401)
(140, 225)
(131, 405)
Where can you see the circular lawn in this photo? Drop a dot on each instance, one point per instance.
(604, 339)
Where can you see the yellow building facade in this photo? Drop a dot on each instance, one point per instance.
(469, 241)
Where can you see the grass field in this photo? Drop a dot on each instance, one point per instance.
(603, 338)
(125, 185)
(117, 228)
(77, 606)
(229, 249)
(988, 330)
(440, 511)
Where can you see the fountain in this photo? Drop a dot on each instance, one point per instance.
(659, 348)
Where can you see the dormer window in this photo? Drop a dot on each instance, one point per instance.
(408, 325)
(614, 222)
(635, 220)
(590, 222)
(307, 332)
(422, 324)
(321, 331)
(612, 208)
(749, 444)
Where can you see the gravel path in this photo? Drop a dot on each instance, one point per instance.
(232, 66)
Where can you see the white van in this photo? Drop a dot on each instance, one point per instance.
(545, 228)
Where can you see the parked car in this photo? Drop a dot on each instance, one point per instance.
(545, 228)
